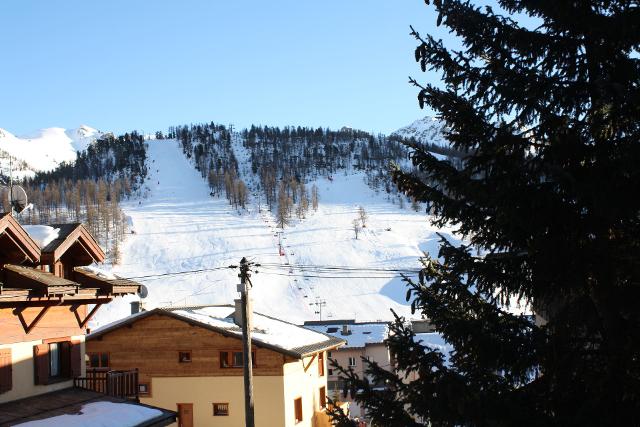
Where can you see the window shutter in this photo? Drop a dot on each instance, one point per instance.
(76, 358)
(41, 363)
(6, 377)
(65, 359)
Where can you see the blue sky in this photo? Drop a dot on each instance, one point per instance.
(122, 65)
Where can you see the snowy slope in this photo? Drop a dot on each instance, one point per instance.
(179, 227)
(46, 149)
(426, 130)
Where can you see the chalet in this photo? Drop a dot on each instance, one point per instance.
(190, 360)
(44, 300)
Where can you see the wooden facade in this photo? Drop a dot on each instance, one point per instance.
(153, 345)
(43, 310)
(195, 367)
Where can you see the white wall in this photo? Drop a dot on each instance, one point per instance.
(23, 381)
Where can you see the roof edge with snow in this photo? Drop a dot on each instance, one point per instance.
(299, 352)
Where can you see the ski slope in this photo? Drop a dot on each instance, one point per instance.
(179, 227)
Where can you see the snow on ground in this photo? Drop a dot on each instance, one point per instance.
(46, 149)
(101, 414)
(179, 227)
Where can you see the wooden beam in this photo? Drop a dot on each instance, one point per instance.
(82, 323)
(22, 302)
(27, 328)
(310, 362)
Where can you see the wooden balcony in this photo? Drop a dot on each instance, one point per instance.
(120, 384)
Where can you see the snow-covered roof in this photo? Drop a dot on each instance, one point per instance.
(435, 341)
(266, 331)
(104, 274)
(101, 414)
(359, 334)
(76, 407)
(42, 234)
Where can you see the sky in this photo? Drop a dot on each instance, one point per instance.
(120, 65)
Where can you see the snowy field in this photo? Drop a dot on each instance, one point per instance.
(179, 228)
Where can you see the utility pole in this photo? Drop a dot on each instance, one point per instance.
(247, 359)
(319, 304)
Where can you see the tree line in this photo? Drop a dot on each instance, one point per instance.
(90, 189)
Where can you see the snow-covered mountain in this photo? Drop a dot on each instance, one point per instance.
(428, 130)
(179, 227)
(43, 150)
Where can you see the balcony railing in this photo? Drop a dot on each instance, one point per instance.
(122, 384)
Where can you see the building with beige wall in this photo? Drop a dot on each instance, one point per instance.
(190, 360)
(364, 340)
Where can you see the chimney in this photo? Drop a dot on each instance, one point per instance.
(136, 307)
(345, 330)
(237, 314)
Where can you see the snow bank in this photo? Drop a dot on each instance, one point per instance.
(100, 414)
(42, 234)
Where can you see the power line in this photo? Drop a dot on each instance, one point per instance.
(339, 268)
(177, 273)
(331, 277)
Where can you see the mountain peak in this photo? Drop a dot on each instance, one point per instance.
(428, 129)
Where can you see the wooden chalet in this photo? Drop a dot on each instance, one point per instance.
(45, 295)
(190, 360)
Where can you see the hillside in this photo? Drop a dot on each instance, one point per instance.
(188, 215)
(43, 150)
(180, 227)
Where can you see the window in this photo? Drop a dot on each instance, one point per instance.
(234, 359)
(144, 389)
(330, 371)
(352, 361)
(297, 406)
(98, 360)
(321, 364)
(56, 360)
(328, 354)
(323, 397)
(237, 358)
(59, 359)
(184, 357)
(220, 409)
(224, 359)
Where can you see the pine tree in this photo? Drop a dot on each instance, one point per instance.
(548, 119)
(314, 197)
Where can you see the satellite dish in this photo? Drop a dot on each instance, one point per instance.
(143, 292)
(17, 198)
